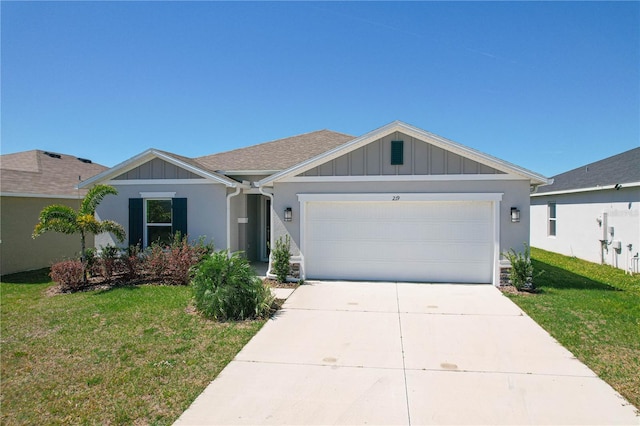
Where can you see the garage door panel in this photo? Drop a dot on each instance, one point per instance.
(408, 241)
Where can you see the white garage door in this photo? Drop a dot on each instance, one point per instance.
(423, 241)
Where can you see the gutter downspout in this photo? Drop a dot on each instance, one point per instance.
(260, 188)
(229, 196)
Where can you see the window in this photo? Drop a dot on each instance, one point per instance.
(551, 213)
(156, 219)
(397, 153)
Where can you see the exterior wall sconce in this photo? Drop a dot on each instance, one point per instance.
(288, 214)
(515, 214)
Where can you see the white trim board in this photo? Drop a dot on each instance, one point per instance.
(403, 196)
(593, 188)
(400, 178)
(160, 182)
(157, 195)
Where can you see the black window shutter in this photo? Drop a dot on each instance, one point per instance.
(136, 221)
(397, 152)
(179, 210)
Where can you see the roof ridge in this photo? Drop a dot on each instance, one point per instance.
(270, 142)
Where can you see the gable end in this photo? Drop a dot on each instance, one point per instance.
(157, 169)
(412, 157)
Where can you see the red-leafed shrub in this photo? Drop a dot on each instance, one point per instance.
(156, 261)
(182, 257)
(69, 274)
(133, 262)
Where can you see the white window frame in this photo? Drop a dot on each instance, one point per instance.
(145, 217)
(553, 219)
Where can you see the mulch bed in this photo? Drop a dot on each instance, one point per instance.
(512, 290)
(277, 284)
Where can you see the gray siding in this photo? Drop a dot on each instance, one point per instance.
(157, 169)
(420, 158)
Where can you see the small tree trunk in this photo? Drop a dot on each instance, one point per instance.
(83, 257)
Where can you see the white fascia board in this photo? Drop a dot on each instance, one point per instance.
(148, 155)
(160, 182)
(398, 126)
(402, 196)
(593, 188)
(400, 178)
(27, 195)
(248, 172)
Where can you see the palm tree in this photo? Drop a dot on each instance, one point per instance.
(64, 219)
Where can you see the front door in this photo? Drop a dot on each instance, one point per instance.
(265, 229)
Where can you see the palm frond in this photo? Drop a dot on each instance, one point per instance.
(56, 218)
(110, 226)
(94, 197)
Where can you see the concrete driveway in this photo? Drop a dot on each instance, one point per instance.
(394, 353)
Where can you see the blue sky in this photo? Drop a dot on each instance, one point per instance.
(548, 86)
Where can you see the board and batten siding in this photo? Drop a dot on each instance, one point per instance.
(157, 169)
(420, 158)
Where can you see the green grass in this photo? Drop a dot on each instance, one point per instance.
(130, 355)
(592, 310)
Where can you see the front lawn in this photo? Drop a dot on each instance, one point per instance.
(592, 310)
(128, 355)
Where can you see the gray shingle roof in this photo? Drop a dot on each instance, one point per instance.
(622, 168)
(36, 172)
(275, 155)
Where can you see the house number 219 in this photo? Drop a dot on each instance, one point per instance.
(395, 198)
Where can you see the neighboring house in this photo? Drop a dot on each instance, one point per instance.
(397, 203)
(30, 181)
(592, 212)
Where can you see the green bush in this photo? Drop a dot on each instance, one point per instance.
(521, 274)
(281, 256)
(227, 288)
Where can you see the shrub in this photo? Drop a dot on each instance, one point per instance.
(521, 274)
(181, 257)
(133, 262)
(108, 260)
(281, 256)
(156, 261)
(69, 274)
(227, 288)
(90, 261)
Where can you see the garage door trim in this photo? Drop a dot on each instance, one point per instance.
(494, 198)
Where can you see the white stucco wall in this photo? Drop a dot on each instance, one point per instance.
(516, 194)
(578, 230)
(206, 210)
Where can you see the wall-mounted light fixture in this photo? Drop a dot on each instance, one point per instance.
(288, 214)
(515, 214)
(618, 186)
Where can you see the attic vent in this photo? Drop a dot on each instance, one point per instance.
(52, 154)
(85, 160)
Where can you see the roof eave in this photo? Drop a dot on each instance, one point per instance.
(588, 189)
